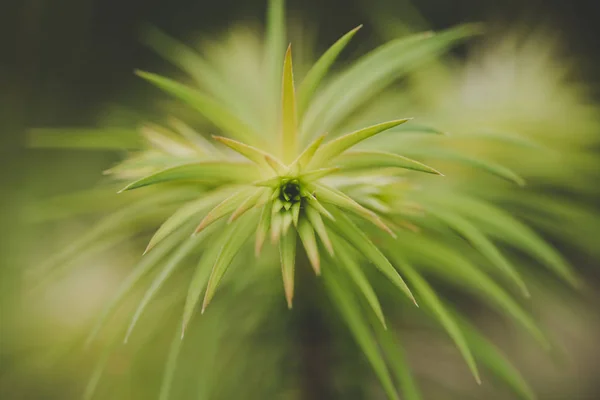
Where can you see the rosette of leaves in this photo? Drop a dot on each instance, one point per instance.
(283, 178)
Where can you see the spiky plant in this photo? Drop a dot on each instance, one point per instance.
(274, 174)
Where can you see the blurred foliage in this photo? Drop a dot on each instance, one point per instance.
(513, 133)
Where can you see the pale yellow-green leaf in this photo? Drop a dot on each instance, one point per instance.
(287, 253)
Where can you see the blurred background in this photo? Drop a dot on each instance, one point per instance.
(69, 63)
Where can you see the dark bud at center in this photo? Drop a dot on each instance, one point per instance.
(290, 192)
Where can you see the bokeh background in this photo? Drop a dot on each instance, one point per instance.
(70, 62)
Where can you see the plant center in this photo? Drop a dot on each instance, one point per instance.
(290, 192)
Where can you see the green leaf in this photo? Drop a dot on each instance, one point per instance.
(488, 355)
(451, 265)
(397, 361)
(274, 46)
(355, 272)
(201, 276)
(307, 236)
(211, 171)
(482, 244)
(253, 200)
(289, 118)
(184, 214)
(374, 72)
(304, 158)
(317, 174)
(349, 309)
(339, 199)
(316, 221)
(319, 69)
(225, 207)
(263, 227)
(330, 150)
(487, 166)
(250, 152)
(84, 138)
(171, 366)
(357, 238)
(233, 238)
(380, 159)
(502, 225)
(144, 266)
(429, 298)
(208, 107)
(287, 253)
(167, 270)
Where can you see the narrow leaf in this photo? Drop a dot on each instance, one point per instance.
(225, 207)
(184, 214)
(167, 270)
(349, 309)
(317, 223)
(287, 253)
(250, 152)
(309, 241)
(483, 244)
(306, 156)
(263, 228)
(355, 236)
(378, 159)
(355, 272)
(337, 198)
(209, 108)
(206, 172)
(318, 71)
(289, 119)
(430, 299)
(234, 238)
(334, 148)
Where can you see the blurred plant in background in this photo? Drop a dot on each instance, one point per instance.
(489, 124)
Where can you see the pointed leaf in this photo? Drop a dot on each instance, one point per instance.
(251, 201)
(337, 198)
(487, 354)
(487, 166)
(206, 172)
(504, 226)
(287, 253)
(456, 269)
(355, 272)
(306, 156)
(317, 174)
(289, 119)
(330, 150)
(167, 270)
(481, 243)
(342, 298)
(250, 152)
(380, 159)
(317, 223)
(225, 207)
(234, 238)
(319, 70)
(357, 238)
(429, 298)
(139, 271)
(209, 108)
(309, 241)
(184, 214)
(263, 228)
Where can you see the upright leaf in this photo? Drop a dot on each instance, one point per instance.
(289, 118)
(319, 70)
